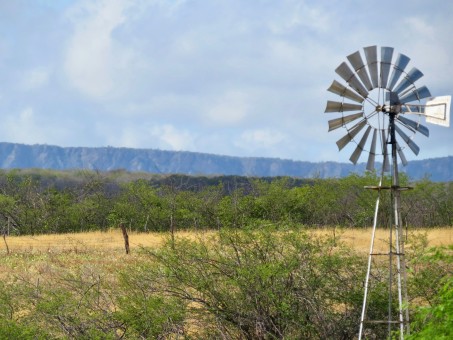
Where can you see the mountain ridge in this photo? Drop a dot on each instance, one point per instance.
(14, 155)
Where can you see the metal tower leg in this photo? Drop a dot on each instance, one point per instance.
(395, 253)
(370, 255)
(399, 239)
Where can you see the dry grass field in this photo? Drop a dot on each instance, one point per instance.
(359, 239)
(82, 261)
(42, 256)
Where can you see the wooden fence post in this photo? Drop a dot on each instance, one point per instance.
(125, 236)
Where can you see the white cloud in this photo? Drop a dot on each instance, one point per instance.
(35, 78)
(93, 56)
(27, 127)
(229, 109)
(261, 139)
(164, 136)
(171, 6)
(295, 15)
(26, 117)
(429, 44)
(30, 126)
(22, 127)
(175, 139)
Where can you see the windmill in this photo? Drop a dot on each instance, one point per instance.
(377, 100)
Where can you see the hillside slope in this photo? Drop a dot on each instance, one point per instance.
(193, 163)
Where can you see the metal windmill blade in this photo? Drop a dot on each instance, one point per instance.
(341, 143)
(339, 122)
(356, 61)
(358, 150)
(398, 69)
(372, 63)
(385, 154)
(410, 79)
(343, 91)
(414, 125)
(341, 107)
(386, 62)
(401, 154)
(345, 72)
(372, 154)
(414, 147)
(416, 94)
(413, 109)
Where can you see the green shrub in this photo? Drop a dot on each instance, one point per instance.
(264, 283)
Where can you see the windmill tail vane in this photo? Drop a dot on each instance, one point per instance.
(379, 104)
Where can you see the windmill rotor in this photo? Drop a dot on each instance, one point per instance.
(377, 86)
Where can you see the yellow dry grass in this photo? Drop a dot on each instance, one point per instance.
(60, 261)
(46, 257)
(358, 239)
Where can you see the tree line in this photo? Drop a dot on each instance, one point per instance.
(44, 201)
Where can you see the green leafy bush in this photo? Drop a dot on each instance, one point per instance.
(434, 318)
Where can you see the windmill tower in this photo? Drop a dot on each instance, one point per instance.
(381, 94)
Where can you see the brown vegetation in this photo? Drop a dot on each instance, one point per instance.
(112, 240)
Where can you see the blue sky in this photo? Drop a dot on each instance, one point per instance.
(231, 77)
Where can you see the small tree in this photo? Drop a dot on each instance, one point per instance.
(264, 283)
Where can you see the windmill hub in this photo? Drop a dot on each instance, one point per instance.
(395, 109)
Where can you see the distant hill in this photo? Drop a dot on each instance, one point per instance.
(194, 163)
